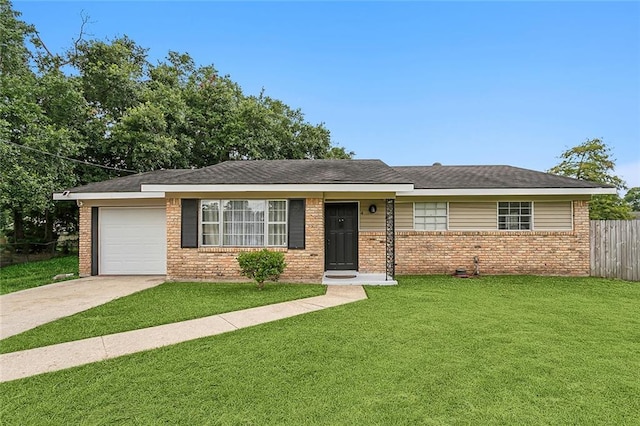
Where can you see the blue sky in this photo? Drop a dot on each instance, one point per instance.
(409, 82)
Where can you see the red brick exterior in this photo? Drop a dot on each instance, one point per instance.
(371, 252)
(499, 252)
(417, 252)
(84, 243)
(220, 263)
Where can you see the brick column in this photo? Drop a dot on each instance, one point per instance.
(174, 216)
(581, 229)
(84, 243)
(308, 265)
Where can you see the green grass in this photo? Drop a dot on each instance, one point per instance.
(34, 274)
(433, 350)
(166, 303)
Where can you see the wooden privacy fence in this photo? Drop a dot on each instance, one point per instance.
(615, 249)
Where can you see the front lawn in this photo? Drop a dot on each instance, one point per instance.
(34, 274)
(166, 303)
(433, 350)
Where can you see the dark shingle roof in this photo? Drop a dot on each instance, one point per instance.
(291, 172)
(342, 172)
(129, 183)
(484, 177)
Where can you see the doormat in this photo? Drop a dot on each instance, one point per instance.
(340, 277)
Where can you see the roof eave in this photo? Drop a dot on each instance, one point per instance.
(322, 187)
(68, 196)
(508, 191)
(159, 191)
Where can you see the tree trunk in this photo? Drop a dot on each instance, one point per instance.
(18, 226)
(48, 227)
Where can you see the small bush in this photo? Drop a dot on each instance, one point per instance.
(262, 265)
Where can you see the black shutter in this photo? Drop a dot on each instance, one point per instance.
(296, 224)
(189, 228)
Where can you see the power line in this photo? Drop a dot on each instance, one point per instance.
(62, 157)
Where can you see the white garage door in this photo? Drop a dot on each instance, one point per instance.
(133, 241)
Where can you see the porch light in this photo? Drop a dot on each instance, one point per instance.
(372, 208)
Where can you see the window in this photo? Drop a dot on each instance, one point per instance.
(514, 215)
(243, 223)
(430, 216)
(277, 234)
(211, 223)
(246, 223)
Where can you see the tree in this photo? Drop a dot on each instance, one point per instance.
(37, 110)
(633, 198)
(592, 161)
(100, 109)
(111, 75)
(177, 115)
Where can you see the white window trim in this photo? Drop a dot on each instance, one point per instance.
(267, 222)
(532, 227)
(514, 230)
(221, 225)
(573, 217)
(431, 230)
(201, 222)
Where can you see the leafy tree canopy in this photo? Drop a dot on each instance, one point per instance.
(633, 198)
(39, 113)
(592, 161)
(102, 102)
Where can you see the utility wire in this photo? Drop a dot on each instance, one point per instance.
(70, 159)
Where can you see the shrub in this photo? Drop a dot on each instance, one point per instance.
(262, 265)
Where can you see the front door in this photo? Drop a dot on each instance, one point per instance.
(341, 236)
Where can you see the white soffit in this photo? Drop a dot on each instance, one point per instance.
(61, 196)
(509, 191)
(339, 187)
(158, 191)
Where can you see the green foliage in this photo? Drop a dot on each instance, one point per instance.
(111, 74)
(14, 54)
(262, 265)
(35, 274)
(102, 102)
(592, 161)
(633, 198)
(609, 207)
(39, 111)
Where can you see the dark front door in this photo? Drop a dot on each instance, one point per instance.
(341, 236)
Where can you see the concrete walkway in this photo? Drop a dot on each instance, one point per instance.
(27, 309)
(17, 365)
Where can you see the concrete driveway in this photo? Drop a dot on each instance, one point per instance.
(16, 365)
(27, 309)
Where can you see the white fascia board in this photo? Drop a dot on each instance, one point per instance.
(60, 196)
(282, 188)
(509, 191)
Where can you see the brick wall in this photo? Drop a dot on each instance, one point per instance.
(504, 252)
(219, 263)
(372, 252)
(438, 252)
(84, 244)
